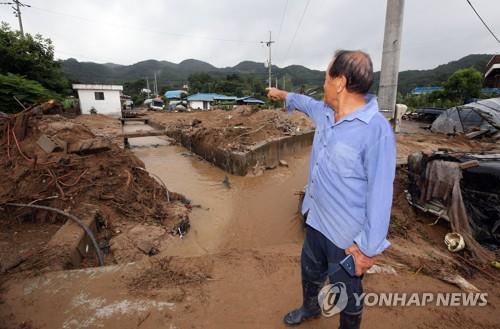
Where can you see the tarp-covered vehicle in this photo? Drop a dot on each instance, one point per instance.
(459, 187)
(481, 118)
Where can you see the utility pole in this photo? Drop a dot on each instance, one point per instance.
(390, 58)
(147, 86)
(269, 63)
(156, 85)
(17, 12)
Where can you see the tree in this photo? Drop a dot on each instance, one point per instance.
(31, 57)
(28, 68)
(464, 84)
(26, 91)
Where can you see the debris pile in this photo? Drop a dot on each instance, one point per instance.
(50, 161)
(235, 130)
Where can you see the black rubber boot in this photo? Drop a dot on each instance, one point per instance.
(348, 321)
(300, 315)
(310, 307)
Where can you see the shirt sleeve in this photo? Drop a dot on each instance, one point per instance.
(380, 166)
(311, 107)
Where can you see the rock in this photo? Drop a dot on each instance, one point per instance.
(381, 269)
(283, 163)
(136, 243)
(195, 123)
(147, 247)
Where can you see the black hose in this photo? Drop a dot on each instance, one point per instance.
(89, 233)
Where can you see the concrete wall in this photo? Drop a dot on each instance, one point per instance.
(110, 104)
(198, 105)
(267, 153)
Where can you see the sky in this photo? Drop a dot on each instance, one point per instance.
(226, 32)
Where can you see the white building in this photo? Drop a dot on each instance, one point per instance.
(105, 99)
(202, 101)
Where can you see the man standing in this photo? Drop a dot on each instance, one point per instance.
(349, 192)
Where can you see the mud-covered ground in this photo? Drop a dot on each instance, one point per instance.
(110, 179)
(234, 130)
(244, 127)
(239, 265)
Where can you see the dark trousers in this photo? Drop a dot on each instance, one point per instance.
(318, 260)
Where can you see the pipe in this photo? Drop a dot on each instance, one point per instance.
(89, 233)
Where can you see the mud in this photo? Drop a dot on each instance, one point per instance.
(110, 180)
(239, 265)
(250, 214)
(238, 141)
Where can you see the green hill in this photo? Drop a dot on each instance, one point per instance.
(295, 75)
(408, 80)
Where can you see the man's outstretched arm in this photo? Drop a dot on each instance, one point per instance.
(311, 107)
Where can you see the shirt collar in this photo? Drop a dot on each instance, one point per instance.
(365, 112)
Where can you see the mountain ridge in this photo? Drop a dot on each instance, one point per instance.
(173, 74)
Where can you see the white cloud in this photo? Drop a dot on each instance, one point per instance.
(224, 32)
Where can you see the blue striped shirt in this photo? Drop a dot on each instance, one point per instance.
(353, 161)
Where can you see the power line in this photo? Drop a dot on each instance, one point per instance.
(298, 27)
(17, 11)
(141, 28)
(282, 21)
(484, 23)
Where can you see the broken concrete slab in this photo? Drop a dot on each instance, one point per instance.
(71, 242)
(50, 144)
(90, 146)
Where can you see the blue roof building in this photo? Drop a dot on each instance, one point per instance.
(425, 90)
(210, 97)
(491, 91)
(203, 101)
(175, 94)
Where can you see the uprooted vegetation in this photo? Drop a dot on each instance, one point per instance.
(82, 172)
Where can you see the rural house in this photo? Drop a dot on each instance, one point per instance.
(105, 99)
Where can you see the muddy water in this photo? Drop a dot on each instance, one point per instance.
(257, 212)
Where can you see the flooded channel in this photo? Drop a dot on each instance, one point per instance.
(253, 213)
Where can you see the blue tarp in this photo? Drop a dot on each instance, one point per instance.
(175, 94)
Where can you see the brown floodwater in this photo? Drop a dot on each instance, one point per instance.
(256, 212)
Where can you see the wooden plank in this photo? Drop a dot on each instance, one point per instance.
(475, 134)
(144, 133)
(145, 120)
(469, 164)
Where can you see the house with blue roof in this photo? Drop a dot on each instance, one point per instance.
(175, 94)
(425, 90)
(204, 101)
